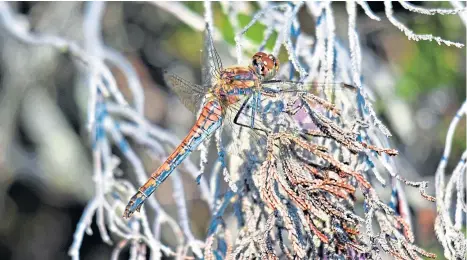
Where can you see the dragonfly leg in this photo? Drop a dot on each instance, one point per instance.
(253, 112)
(239, 113)
(256, 105)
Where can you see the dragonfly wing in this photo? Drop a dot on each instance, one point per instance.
(189, 93)
(337, 101)
(284, 86)
(238, 118)
(211, 61)
(192, 94)
(342, 96)
(274, 114)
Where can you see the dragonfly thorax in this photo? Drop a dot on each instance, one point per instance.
(236, 81)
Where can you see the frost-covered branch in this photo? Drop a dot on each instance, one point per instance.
(450, 221)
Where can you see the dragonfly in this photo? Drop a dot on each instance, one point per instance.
(236, 88)
(223, 87)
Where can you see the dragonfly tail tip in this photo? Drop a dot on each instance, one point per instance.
(128, 213)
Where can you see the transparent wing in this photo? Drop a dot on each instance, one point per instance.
(244, 141)
(192, 94)
(211, 61)
(311, 109)
(321, 111)
(336, 98)
(189, 93)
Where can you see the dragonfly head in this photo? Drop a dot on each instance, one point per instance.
(265, 66)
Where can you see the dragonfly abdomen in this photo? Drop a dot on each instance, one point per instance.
(209, 120)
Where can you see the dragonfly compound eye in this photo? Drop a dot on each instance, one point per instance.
(257, 62)
(272, 66)
(265, 65)
(275, 62)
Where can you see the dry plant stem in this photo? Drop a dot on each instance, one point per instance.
(274, 178)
